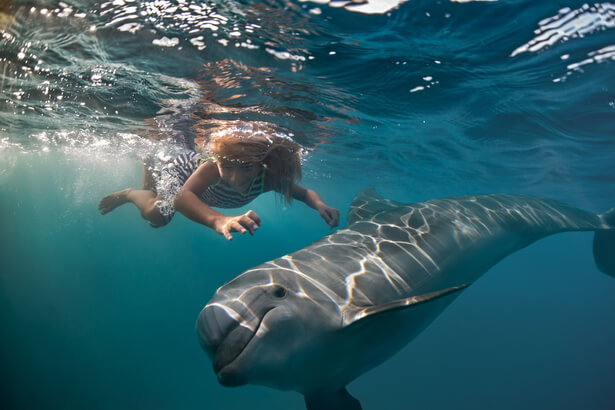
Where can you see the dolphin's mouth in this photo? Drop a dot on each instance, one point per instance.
(232, 346)
(224, 339)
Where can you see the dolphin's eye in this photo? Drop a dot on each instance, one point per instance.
(279, 292)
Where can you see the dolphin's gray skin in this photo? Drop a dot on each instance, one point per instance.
(316, 319)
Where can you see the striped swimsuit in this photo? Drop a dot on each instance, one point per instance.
(220, 195)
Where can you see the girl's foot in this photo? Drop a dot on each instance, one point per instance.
(109, 202)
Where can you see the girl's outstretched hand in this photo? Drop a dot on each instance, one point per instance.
(248, 222)
(330, 215)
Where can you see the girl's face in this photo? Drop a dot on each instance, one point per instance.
(238, 175)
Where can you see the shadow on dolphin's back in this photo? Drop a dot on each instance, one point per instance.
(316, 319)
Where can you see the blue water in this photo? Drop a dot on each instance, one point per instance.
(431, 99)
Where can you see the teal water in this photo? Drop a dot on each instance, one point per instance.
(98, 311)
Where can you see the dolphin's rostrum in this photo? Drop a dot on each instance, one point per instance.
(316, 319)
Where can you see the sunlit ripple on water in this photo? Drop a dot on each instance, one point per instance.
(430, 90)
(198, 24)
(569, 24)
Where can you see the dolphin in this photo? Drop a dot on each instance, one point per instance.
(316, 319)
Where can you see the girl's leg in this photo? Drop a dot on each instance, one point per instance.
(144, 199)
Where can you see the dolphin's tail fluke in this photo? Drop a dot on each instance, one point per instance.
(604, 244)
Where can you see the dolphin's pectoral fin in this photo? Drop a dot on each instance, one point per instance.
(338, 400)
(396, 305)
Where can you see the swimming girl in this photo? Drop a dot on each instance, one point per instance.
(244, 162)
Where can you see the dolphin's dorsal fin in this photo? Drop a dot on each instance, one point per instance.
(367, 203)
(337, 400)
(356, 315)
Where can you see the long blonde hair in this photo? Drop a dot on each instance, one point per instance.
(258, 142)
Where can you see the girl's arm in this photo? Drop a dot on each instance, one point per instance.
(188, 203)
(313, 200)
